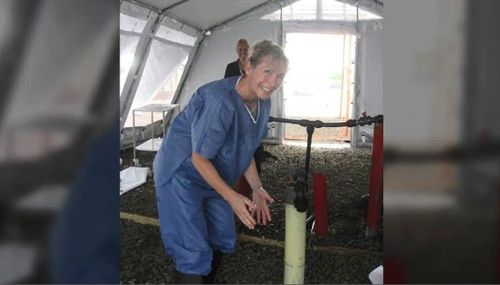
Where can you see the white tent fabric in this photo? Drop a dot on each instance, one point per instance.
(202, 14)
(173, 35)
(133, 21)
(162, 60)
(216, 12)
(132, 24)
(168, 49)
(128, 44)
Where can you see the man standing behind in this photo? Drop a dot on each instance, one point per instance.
(237, 67)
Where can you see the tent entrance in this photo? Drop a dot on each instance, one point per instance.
(319, 83)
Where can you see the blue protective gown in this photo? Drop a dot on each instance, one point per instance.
(194, 218)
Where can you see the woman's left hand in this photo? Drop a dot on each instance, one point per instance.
(262, 199)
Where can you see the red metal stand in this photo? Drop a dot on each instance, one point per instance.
(320, 204)
(376, 182)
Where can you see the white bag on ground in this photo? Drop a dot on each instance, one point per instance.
(132, 177)
(377, 275)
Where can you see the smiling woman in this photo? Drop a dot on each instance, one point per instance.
(209, 146)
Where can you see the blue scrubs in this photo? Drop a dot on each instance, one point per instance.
(194, 218)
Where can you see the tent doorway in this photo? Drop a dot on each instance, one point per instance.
(319, 84)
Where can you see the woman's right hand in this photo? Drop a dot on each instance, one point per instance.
(243, 207)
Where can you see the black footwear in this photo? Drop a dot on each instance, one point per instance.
(216, 261)
(183, 278)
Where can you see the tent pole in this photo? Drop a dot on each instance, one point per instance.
(281, 30)
(356, 112)
(193, 56)
(134, 75)
(164, 11)
(281, 40)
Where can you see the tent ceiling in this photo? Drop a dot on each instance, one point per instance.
(203, 14)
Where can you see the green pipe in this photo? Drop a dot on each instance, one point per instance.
(295, 245)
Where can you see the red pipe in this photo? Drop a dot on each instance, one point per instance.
(320, 204)
(376, 181)
(394, 270)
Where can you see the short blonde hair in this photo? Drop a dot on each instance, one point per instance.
(265, 48)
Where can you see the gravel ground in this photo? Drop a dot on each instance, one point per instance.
(350, 258)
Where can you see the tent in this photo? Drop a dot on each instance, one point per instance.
(170, 48)
(60, 80)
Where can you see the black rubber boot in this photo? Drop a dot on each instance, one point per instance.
(183, 278)
(216, 261)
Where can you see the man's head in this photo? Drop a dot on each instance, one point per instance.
(242, 49)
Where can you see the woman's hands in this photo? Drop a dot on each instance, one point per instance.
(262, 199)
(246, 210)
(241, 205)
(243, 208)
(259, 196)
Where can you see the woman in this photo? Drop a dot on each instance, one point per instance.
(209, 146)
